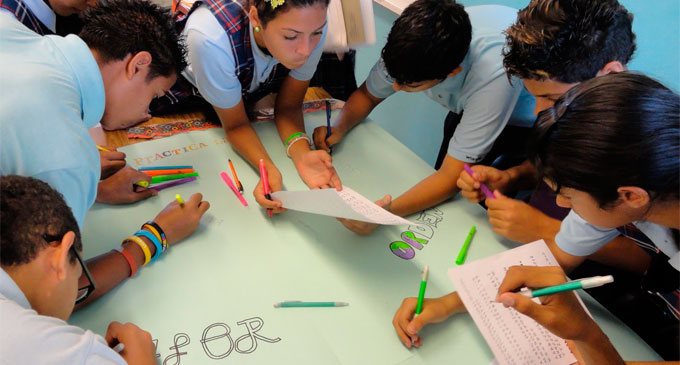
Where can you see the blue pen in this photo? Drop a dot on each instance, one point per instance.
(328, 125)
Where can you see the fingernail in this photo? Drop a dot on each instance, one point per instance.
(507, 301)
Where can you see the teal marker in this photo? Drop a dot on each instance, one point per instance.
(421, 293)
(463, 250)
(161, 178)
(301, 304)
(586, 283)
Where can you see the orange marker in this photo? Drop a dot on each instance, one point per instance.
(233, 172)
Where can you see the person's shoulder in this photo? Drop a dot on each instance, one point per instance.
(203, 22)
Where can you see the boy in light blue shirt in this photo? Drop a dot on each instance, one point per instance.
(455, 56)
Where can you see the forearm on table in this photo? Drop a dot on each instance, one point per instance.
(247, 143)
(111, 268)
(429, 192)
(357, 108)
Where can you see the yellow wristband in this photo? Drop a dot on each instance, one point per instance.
(143, 246)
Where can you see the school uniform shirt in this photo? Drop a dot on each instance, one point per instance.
(53, 94)
(211, 61)
(579, 238)
(35, 14)
(481, 90)
(27, 337)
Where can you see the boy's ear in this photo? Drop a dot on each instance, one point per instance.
(138, 64)
(59, 259)
(633, 196)
(455, 71)
(611, 67)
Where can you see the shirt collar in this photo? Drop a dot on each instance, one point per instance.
(88, 76)
(10, 290)
(43, 12)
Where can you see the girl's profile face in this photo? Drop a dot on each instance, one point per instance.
(589, 209)
(292, 35)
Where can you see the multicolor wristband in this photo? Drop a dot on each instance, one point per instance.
(158, 231)
(130, 260)
(143, 246)
(152, 238)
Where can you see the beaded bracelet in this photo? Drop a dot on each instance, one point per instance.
(143, 246)
(152, 238)
(130, 260)
(303, 136)
(158, 231)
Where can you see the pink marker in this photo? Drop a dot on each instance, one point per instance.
(233, 188)
(265, 184)
(485, 189)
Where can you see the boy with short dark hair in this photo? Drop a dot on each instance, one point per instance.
(455, 56)
(39, 270)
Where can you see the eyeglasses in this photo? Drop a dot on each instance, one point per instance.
(84, 291)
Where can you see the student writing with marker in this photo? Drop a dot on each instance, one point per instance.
(610, 147)
(453, 55)
(242, 50)
(85, 80)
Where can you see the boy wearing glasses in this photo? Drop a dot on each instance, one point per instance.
(40, 267)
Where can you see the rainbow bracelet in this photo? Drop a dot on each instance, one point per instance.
(143, 246)
(158, 231)
(154, 239)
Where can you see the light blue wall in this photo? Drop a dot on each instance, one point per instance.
(417, 121)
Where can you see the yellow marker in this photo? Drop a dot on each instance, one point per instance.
(102, 148)
(179, 200)
(143, 183)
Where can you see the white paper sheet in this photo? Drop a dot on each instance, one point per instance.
(513, 337)
(342, 204)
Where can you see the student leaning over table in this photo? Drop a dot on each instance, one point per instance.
(108, 75)
(242, 50)
(454, 55)
(39, 271)
(610, 148)
(552, 46)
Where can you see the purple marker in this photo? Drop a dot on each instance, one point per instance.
(160, 187)
(485, 189)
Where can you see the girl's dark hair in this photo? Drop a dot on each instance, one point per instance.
(266, 12)
(615, 130)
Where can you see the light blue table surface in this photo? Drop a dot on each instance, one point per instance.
(226, 277)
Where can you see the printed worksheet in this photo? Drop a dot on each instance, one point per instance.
(513, 337)
(342, 204)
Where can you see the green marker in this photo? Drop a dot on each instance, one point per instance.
(161, 178)
(421, 293)
(463, 250)
(301, 304)
(586, 283)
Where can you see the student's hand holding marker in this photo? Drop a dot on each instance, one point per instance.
(519, 221)
(138, 346)
(561, 314)
(364, 228)
(120, 187)
(471, 185)
(317, 171)
(275, 184)
(433, 311)
(321, 142)
(179, 221)
(110, 161)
